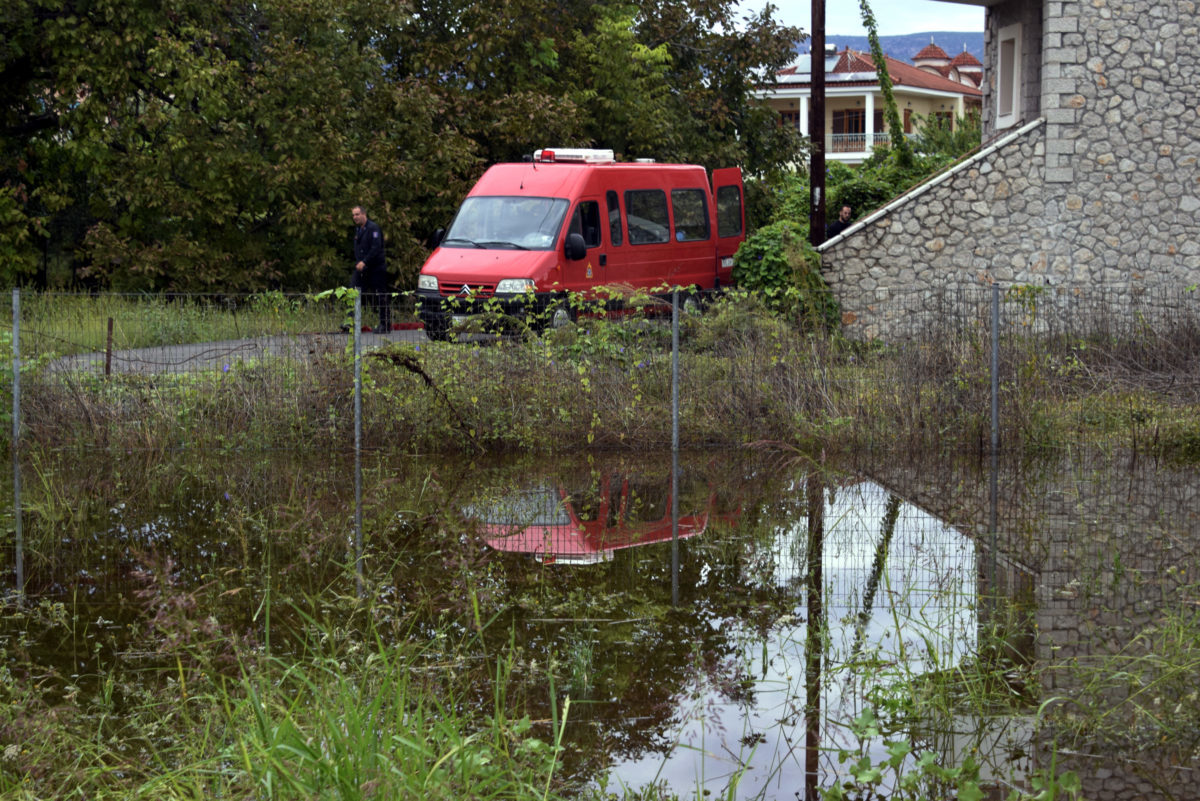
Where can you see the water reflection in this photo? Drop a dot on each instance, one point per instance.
(730, 647)
(890, 593)
(583, 517)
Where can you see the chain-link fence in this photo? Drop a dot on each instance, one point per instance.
(1090, 540)
(96, 369)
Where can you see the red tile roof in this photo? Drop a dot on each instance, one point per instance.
(965, 59)
(931, 51)
(852, 61)
(902, 74)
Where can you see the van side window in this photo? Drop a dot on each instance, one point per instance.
(646, 212)
(691, 215)
(729, 211)
(586, 222)
(614, 219)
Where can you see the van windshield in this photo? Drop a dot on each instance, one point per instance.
(518, 223)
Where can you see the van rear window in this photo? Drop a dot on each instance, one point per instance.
(646, 214)
(691, 215)
(729, 211)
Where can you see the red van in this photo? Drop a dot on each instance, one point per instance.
(571, 220)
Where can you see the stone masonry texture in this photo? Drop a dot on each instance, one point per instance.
(1103, 193)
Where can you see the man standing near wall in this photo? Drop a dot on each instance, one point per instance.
(370, 268)
(842, 223)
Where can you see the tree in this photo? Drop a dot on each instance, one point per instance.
(219, 147)
(940, 136)
(621, 84)
(191, 146)
(717, 67)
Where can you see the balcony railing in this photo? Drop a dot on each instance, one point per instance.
(856, 142)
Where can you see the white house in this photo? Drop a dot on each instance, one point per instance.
(854, 121)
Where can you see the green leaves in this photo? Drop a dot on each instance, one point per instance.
(190, 146)
(778, 262)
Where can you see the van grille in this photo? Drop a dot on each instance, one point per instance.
(476, 290)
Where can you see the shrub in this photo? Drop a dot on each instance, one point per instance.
(778, 262)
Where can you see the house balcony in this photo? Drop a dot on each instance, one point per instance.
(854, 148)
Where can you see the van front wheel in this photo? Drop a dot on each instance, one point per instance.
(559, 315)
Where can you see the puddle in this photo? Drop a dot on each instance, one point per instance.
(709, 642)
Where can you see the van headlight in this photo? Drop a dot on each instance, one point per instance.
(427, 282)
(514, 286)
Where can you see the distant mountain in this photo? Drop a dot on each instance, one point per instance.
(905, 46)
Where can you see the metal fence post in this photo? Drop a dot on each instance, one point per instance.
(358, 538)
(19, 544)
(993, 489)
(995, 367)
(675, 447)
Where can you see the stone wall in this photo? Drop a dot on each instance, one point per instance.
(1029, 14)
(985, 222)
(1102, 190)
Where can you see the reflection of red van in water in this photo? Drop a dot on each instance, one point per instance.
(586, 525)
(572, 220)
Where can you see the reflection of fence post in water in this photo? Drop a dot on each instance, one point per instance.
(358, 539)
(815, 639)
(675, 447)
(891, 513)
(19, 544)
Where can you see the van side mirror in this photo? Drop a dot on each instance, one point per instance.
(576, 247)
(435, 238)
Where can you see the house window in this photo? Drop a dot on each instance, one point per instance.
(849, 131)
(791, 119)
(849, 121)
(1008, 76)
(908, 120)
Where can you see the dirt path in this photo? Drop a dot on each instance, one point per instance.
(203, 356)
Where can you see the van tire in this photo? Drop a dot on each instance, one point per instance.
(558, 314)
(437, 331)
(691, 303)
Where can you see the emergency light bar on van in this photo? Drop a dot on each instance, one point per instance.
(574, 155)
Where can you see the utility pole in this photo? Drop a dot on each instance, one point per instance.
(816, 126)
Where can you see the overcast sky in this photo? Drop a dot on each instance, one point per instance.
(843, 17)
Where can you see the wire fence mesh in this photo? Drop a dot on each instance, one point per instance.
(605, 377)
(1073, 534)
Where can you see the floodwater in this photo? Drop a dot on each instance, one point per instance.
(725, 623)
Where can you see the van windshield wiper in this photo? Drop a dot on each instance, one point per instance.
(470, 242)
(504, 243)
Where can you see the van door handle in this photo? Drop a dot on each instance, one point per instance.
(603, 259)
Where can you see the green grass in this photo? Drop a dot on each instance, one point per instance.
(65, 324)
(746, 376)
(346, 718)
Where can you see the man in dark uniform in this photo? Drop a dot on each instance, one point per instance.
(842, 223)
(370, 268)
